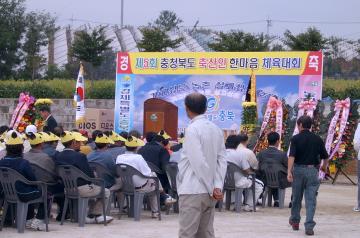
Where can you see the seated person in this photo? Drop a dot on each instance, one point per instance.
(180, 143)
(92, 139)
(102, 156)
(38, 157)
(155, 153)
(84, 148)
(118, 147)
(14, 160)
(137, 161)
(242, 180)
(70, 156)
(273, 156)
(50, 143)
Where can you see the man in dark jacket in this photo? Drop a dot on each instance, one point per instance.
(86, 189)
(276, 158)
(50, 122)
(156, 154)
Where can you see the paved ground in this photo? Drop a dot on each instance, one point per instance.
(334, 217)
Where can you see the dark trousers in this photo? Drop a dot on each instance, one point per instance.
(164, 182)
(31, 210)
(306, 182)
(57, 190)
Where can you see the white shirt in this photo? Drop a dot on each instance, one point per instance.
(236, 157)
(357, 140)
(175, 156)
(138, 162)
(249, 156)
(202, 166)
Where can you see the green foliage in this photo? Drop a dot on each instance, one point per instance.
(39, 28)
(12, 27)
(156, 40)
(90, 45)
(167, 20)
(311, 40)
(239, 41)
(57, 88)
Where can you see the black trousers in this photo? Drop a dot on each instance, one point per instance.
(31, 209)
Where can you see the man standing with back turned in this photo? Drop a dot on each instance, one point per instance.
(202, 169)
(306, 150)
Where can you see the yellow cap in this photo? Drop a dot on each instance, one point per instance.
(79, 137)
(53, 137)
(35, 138)
(103, 139)
(134, 142)
(45, 136)
(164, 134)
(181, 140)
(2, 136)
(13, 139)
(67, 136)
(116, 137)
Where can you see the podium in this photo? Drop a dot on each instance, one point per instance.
(160, 115)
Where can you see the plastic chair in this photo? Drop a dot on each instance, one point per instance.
(272, 182)
(172, 171)
(102, 172)
(70, 175)
(48, 178)
(126, 173)
(229, 186)
(8, 178)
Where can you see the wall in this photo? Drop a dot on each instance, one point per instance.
(62, 109)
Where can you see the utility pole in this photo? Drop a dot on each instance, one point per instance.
(268, 25)
(122, 15)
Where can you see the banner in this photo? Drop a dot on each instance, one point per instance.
(221, 76)
(79, 96)
(97, 119)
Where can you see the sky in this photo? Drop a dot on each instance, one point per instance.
(332, 17)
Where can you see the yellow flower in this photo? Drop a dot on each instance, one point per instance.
(248, 104)
(43, 101)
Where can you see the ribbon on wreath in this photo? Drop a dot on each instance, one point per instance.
(340, 106)
(25, 100)
(273, 105)
(307, 106)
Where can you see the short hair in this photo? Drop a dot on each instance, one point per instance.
(68, 143)
(124, 134)
(305, 121)
(94, 134)
(100, 145)
(44, 108)
(232, 142)
(14, 150)
(273, 137)
(3, 129)
(165, 142)
(196, 103)
(131, 148)
(243, 138)
(108, 133)
(135, 133)
(158, 138)
(150, 136)
(59, 130)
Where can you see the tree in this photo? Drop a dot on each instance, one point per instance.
(156, 40)
(240, 41)
(89, 46)
(12, 26)
(40, 27)
(311, 40)
(167, 20)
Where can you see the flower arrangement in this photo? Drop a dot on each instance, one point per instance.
(276, 112)
(342, 148)
(248, 117)
(24, 113)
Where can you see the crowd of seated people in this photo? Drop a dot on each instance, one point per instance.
(108, 148)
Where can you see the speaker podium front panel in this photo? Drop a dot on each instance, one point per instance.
(160, 115)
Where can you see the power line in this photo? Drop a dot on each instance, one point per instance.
(319, 22)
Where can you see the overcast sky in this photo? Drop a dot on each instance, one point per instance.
(228, 13)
